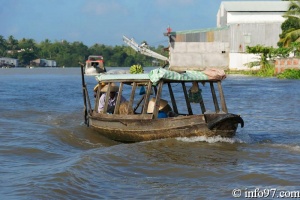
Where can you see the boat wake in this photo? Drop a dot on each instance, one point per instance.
(214, 139)
(289, 147)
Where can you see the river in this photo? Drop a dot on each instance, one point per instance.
(46, 151)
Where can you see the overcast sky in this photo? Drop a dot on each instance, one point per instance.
(104, 21)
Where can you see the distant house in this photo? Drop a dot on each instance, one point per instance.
(9, 62)
(43, 63)
(239, 24)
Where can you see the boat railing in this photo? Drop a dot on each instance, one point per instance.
(134, 104)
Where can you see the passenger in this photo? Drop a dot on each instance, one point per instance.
(163, 110)
(125, 109)
(96, 89)
(112, 98)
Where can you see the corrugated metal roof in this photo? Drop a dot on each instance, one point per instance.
(256, 6)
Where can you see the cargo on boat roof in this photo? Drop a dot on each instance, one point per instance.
(167, 75)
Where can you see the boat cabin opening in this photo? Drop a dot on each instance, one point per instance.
(168, 98)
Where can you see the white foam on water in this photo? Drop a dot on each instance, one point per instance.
(214, 139)
(118, 71)
(91, 71)
(290, 147)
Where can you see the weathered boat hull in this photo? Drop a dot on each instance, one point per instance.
(136, 130)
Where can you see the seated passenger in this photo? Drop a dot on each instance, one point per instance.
(112, 98)
(124, 109)
(163, 110)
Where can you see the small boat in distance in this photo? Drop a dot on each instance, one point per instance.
(94, 65)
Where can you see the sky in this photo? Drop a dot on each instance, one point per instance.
(104, 21)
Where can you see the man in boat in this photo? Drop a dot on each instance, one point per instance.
(112, 98)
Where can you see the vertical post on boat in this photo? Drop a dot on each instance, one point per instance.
(202, 106)
(223, 103)
(107, 98)
(98, 96)
(132, 95)
(84, 95)
(174, 105)
(188, 104)
(119, 97)
(148, 93)
(213, 93)
(157, 100)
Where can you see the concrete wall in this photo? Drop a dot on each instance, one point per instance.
(286, 63)
(198, 55)
(238, 61)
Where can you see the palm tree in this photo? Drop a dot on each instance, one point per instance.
(293, 15)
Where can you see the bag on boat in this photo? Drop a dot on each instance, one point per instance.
(195, 94)
(142, 90)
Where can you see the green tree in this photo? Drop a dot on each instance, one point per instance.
(68, 54)
(27, 44)
(79, 52)
(45, 48)
(12, 46)
(291, 26)
(129, 61)
(265, 53)
(26, 56)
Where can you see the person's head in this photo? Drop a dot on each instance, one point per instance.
(163, 105)
(113, 90)
(112, 95)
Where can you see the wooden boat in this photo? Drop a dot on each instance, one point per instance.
(137, 124)
(94, 65)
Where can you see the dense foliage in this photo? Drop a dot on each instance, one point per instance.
(291, 26)
(69, 54)
(289, 74)
(266, 62)
(289, 43)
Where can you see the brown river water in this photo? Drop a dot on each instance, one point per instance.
(46, 151)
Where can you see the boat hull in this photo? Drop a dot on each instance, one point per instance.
(143, 129)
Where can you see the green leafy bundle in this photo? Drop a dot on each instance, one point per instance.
(136, 69)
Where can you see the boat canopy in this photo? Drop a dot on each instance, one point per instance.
(109, 77)
(161, 73)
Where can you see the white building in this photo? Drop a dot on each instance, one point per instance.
(244, 12)
(239, 24)
(43, 63)
(9, 62)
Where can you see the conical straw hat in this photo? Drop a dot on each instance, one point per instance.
(151, 104)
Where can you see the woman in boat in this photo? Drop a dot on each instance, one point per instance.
(164, 108)
(112, 98)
